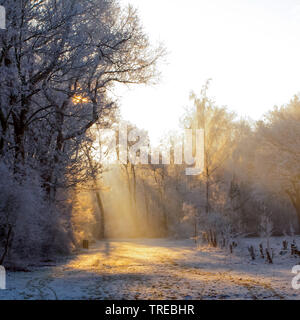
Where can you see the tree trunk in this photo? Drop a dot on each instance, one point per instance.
(6, 246)
(207, 206)
(129, 185)
(102, 234)
(146, 204)
(295, 199)
(297, 208)
(165, 215)
(134, 190)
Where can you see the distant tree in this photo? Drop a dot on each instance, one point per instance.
(219, 141)
(279, 152)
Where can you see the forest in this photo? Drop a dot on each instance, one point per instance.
(60, 61)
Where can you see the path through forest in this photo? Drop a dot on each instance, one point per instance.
(153, 269)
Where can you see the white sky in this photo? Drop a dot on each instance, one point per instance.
(250, 49)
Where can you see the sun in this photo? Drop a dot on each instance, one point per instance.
(79, 99)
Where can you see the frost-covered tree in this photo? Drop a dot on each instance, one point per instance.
(279, 152)
(219, 142)
(58, 59)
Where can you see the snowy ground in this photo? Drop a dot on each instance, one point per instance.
(159, 269)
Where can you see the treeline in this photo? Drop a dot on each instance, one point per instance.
(250, 183)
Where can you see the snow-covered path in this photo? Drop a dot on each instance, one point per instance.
(153, 269)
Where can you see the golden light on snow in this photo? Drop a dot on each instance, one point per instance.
(156, 269)
(124, 255)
